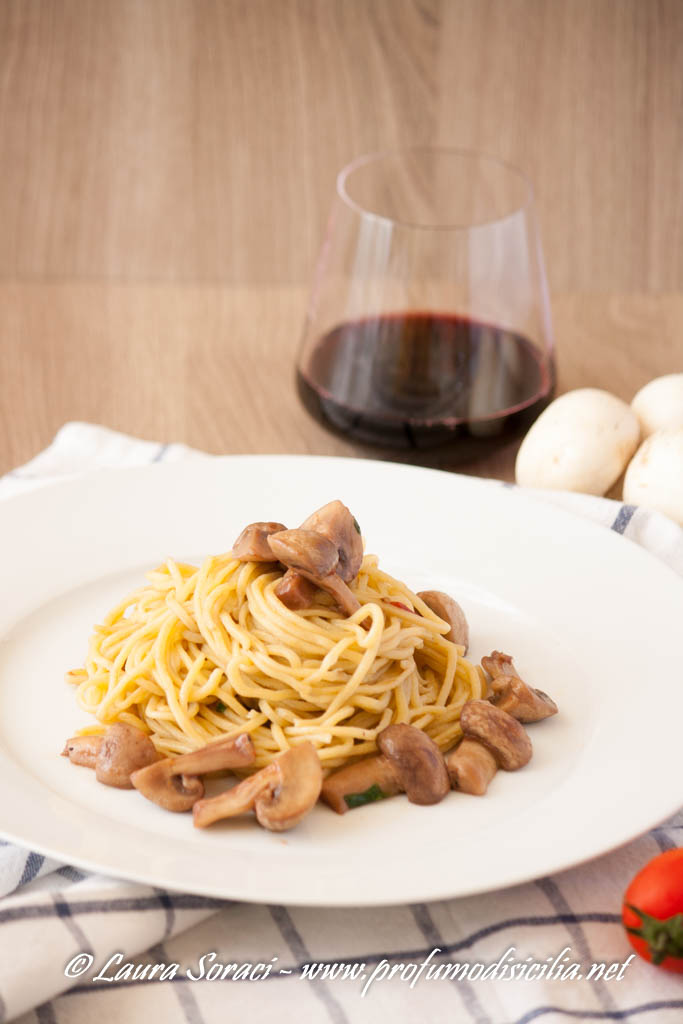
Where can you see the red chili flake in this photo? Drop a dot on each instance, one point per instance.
(400, 604)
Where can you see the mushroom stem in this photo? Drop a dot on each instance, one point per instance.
(227, 752)
(281, 794)
(238, 800)
(373, 778)
(347, 602)
(174, 783)
(83, 750)
(471, 767)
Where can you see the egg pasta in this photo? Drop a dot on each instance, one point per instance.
(202, 652)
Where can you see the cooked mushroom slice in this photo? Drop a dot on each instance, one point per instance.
(473, 768)
(347, 602)
(172, 791)
(364, 782)
(410, 762)
(174, 783)
(511, 694)
(335, 522)
(450, 611)
(316, 558)
(83, 750)
(499, 664)
(123, 750)
(418, 761)
(281, 794)
(252, 543)
(295, 591)
(304, 550)
(499, 734)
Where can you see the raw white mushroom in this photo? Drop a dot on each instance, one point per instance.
(581, 442)
(659, 405)
(654, 477)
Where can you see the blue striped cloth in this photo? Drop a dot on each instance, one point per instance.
(213, 960)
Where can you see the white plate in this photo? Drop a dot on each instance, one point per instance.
(589, 617)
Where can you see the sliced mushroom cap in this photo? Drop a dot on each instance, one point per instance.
(295, 591)
(511, 694)
(124, 749)
(418, 763)
(450, 611)
(335, 522)
(305, 551)
(83, 750)
(499, 732)
(297, 788)
(252, 543)
(174, 783)
(281, 794)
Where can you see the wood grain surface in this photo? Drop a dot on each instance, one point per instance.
(168, 166)
(214, 366)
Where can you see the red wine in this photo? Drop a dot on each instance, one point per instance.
(416, 380)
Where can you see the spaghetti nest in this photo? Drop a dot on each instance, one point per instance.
(199, 653)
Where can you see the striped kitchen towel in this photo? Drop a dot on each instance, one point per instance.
(78, 947)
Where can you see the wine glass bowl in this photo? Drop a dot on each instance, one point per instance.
(428, 322)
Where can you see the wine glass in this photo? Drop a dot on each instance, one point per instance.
(428, 322)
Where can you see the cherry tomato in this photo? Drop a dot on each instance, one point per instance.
(652, 911)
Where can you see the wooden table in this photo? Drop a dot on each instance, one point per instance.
(167, 168)
(213, 366)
